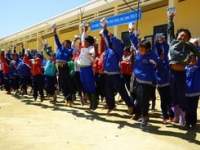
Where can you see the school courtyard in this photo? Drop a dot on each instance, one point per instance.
(28, 125)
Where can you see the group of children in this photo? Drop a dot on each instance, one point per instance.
(101, 71)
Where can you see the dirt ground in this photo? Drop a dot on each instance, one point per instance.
(28, 125)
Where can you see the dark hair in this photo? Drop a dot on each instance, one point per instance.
(90, 40)
(184, 30)
(145, 43)
(68, 42)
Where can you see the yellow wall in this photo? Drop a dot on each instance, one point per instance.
(32, 44)
(187, 16)
(50, 40)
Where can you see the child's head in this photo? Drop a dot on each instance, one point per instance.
(89, 41)
(193, 60)
(160, 38)
(67, 44)
(183, 35)
(144, 47)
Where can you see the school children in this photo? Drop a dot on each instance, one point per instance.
(50, 74)
(192, 92)
(144, 71)
(63, 55)
(161, 49)
(113, 81)
(6, 71)
(37, 77)
(24, 73)
(179, 52)
(85, 62)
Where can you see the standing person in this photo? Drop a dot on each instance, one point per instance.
(179, 52)
(144, 73)
(113, 81)
(76, 45)
(126, 66)
(6, 72)
(161, 49)
(37, 78)
(63, 55)
(24, 72)
(192, 91)
(50, 73)
(85, 62)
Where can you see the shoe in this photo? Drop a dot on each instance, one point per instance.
(66, 103)
(130, 110)
(42, 99)
(70, 103)
(109, 111)
(136, 117)
(165, 121)
(144, 122)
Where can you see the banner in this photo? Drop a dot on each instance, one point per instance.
(124, 18)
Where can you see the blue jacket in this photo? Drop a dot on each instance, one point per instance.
(134, 40)
(163, 69)
(192, 80)
(113, 56)
(144, 68)
(23, 70)
(50, 69)
(62, 54)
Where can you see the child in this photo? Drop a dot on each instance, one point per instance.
(76, 45)
(63, 55)
(179, 52)
(113, 80)
(126, 67)
(192, 92)
(144, 72)
(37, 78)
(24, 72)
(6, 71)
(85, 62)
(50, 74)
(161, 49)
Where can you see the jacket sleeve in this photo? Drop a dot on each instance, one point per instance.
(134, 40)
(57, 41)
(194, 50)
(46, 56)
(170, 30)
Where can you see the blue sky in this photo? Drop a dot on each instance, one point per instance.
(16, 15)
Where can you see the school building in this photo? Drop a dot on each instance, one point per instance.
(154, 20)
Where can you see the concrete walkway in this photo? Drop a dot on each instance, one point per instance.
(28, 125)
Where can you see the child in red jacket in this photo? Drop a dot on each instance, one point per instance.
(37, 78)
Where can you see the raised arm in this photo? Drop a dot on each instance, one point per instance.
(46, 56)
(170, 30)
(59, 45)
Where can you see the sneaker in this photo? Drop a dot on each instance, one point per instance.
(144, 122)
(130, 110)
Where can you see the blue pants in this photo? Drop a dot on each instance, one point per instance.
(87, 80)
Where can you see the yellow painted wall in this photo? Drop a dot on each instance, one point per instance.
(32, 44)
(187, 16)
(50, 40)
